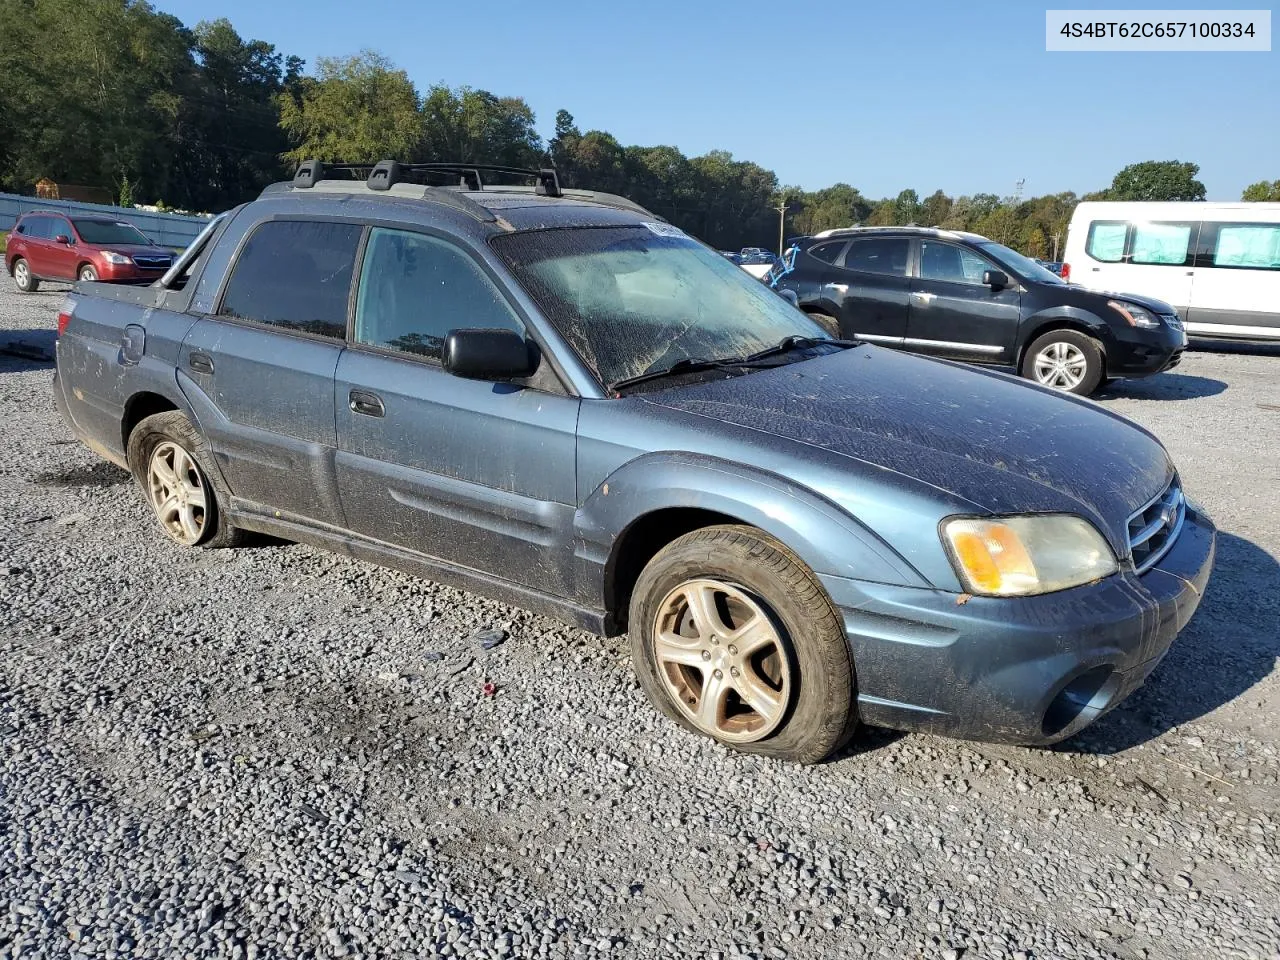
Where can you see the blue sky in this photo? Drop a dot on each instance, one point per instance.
(956, 95)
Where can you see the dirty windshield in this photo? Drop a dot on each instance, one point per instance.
(636, 300)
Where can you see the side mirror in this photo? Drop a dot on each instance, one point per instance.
(487, 355)
(62, 238)
(995, 279)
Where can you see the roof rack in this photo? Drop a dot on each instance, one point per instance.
(385, 174)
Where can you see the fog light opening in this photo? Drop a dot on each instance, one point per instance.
(1080, 700)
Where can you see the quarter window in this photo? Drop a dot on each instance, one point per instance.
(884, 255)
(1106, 240)
(1162, 243)
(827, 252)
(1251, 246)
(946, 261)
(414, 289)
(295, 274)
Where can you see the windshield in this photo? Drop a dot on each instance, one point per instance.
(109, 231)
(637, 299)
(1023, 265)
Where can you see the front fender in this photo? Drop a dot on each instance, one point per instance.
(1064, 316)
(829, 540)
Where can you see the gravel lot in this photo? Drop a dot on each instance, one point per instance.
(277, 752)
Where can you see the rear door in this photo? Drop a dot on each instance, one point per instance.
(1160, 262)
(258, 370)
(872, 288)
(38, 232)
(1237, 284)
(953, 313)
(475, 473)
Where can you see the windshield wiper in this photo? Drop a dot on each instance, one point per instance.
(794, 342)
(685, 365)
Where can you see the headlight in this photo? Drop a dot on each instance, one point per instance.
(117, 258)
(1021, 556)
(1136, 316)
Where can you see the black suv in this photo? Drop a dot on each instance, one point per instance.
(963, 296)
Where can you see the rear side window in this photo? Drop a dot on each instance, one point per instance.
(886, 256)
(1251, 246)
(414, 289)
(1106, 240)
(37, 227)
(827, 252)
(1170, 244)
(295, 274)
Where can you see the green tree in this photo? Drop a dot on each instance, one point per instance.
(935, 209)
(1262, 191)
(476, 126)
(357, 109)
(906, 208)
(1157, 180)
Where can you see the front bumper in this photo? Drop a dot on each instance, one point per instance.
(127, 273)
(1030, 670)
(1141, 353)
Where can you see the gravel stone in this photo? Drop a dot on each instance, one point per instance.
(249, 753)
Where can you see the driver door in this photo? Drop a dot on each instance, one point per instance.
(474, 473)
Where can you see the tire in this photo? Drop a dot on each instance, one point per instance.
(827, 322)
(22, 277)
(753, 589)
(87, 272)
(1065, 360)
(195, 515)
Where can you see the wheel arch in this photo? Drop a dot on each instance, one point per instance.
(657, 498)
(143, 404)
(1071, 318)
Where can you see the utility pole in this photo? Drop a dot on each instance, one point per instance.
(1056, 236)
(782, 219)
(1017, 190)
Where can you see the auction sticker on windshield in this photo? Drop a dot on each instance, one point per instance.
(665, 229)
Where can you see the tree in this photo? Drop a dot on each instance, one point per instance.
(1157, 180)
(476, 126)
(935, 209)
(357, 109)
(1262, 191)
(906, 208)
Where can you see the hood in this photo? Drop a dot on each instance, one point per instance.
(1004, 445)
(135, 249)
(1096, 299)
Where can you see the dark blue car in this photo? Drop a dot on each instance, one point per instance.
(555, 398)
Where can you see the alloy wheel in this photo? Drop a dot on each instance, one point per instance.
(1061, 365)
(88, 274)
(21, 274)
(178, 493)
(722, 660)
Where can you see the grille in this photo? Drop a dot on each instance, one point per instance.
(1173, 320)
(1154, 528)
(153, 263)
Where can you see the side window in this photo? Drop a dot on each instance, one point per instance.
(295, 274)
(885, 256)
(414, 289)
(1106, 240)
(827, 252)
(1168, 244)
(946, 261)
(37, 228)
(22, 227)
(59, 227)
(1252, 246)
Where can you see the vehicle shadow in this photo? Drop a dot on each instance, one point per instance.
(26, 350)
(1163, 386)
(1253, 348)
(1230, 645)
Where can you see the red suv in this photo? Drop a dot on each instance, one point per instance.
(50, 246)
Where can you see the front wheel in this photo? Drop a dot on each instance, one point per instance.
(88, 273)
(733, 637)
(22, 277)
(1065, 360)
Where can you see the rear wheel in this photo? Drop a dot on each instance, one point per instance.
(734, 638)
(170, 461)
(827, 322)
(1066, 360)
(22, 277)
(88, 273)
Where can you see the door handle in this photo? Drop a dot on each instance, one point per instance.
(1095, 269)
(200, 362)
(368, 404)
(925, 298)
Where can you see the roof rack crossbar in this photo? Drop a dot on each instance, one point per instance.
(386, 173)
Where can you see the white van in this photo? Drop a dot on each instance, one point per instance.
(1217, 263)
